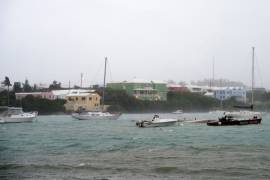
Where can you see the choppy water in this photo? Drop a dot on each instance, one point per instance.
(59, 147)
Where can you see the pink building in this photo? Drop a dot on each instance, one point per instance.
(177, 88)
(43, 95)
(48, 95)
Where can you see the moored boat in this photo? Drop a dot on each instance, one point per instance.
(241, 117)
(237, 118)
(16, 115)
(156, 122)
(99, 115)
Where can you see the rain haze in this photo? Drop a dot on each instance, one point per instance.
(155, 40)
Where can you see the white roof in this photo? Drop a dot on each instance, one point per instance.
(71, 91)
(28, 93)
(80, 94)
(175, 85)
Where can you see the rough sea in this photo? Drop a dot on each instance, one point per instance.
(60, 147)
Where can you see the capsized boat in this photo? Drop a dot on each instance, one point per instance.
(95, 116)
(16, 115)
(156, 122)
(237, 118)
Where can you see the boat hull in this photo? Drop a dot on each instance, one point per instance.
(16, 120)
(155, 124)
(234, 122)
(89, 117)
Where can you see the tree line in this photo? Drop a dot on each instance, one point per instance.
(120, 101)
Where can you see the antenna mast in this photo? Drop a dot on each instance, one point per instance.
(252, 83)
(81, 79)
(213, 75)
(104, 84)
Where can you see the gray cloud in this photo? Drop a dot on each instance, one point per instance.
(154, 39)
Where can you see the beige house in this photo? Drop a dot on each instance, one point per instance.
(86, 101)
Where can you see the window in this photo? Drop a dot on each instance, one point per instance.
(70, 99)
(90, 98)
(76, 98)
(83, 98)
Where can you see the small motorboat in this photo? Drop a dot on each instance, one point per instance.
(237, 118)
(156, 122)
(16, 115)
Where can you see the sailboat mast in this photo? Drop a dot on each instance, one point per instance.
(213, 71)
(252, 83)
(104, 84)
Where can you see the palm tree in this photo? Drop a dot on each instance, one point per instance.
(6, 82)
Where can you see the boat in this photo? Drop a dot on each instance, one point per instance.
(98, 115)
(237, 118)
(16, 115)
(156, 122)
(240, 117)
(179, 111)
(95, 116)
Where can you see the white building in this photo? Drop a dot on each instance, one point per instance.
(240, 93)
(197, 89)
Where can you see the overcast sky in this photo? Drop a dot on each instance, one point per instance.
(46, 40)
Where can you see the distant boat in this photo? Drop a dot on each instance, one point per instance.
(237, 118)
(95, 116)
(240, 117)
(156, 122)
(179, 111)
(99, 115)
(16, 115)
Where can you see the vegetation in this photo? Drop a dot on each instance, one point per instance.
(27, 87)
(120, 101)
(43, 106)
(55, 86)
(7, 83)
(30, 103)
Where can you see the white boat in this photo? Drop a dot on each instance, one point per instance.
(156, 122)
(16, 115)
(179, 111)
(95, 116)
(100, 115)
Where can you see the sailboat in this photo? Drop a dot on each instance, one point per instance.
(98, 115)
(241, 117)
